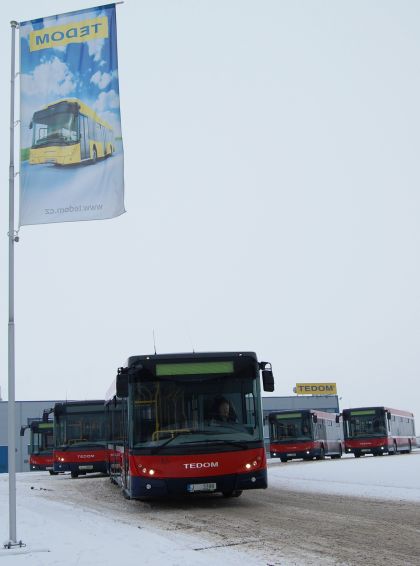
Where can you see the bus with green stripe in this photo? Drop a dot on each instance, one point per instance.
(69, 132)
(378, 431)
(305, 434)
(41, 443)
(191, 424)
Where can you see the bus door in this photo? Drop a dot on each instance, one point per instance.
(84, 137)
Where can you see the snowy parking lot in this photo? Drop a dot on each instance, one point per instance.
(344, 511)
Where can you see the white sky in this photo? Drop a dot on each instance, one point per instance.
(272, 190)
(93, 538)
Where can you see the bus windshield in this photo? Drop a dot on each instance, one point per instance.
(370, 424)
(291, 427)
(54, 128)
(178, 410)
(73, 429)
(42, 440)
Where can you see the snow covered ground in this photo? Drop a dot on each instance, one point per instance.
(384, 477)
(59, 533)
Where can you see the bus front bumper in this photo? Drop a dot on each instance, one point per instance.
(92, 467)
(146, 487)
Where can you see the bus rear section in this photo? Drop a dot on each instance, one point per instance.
(305, 434)
(41, 443)
(80, 438)
(378, 431)
(192, 423)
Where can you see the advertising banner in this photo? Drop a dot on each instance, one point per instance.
(71, 152)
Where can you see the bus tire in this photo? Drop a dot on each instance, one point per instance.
(395, 448)
(357, 454)
(53, 473)
(321, 454)
(232, 493)
(94, 154)
(74, 474)
(283, 459)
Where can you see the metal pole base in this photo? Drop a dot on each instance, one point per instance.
(13, 544)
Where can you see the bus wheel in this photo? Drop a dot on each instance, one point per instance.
(395, 448)
(232, 493)
(283, 459)
(94, 155)
(53, 473)
(321, 454)
(357, 454)
(74, 474)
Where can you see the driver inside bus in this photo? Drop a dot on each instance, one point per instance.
(222, 411)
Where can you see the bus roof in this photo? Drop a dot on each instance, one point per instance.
(133, 360)
(80, 403)
(320, 414)
(391, 411)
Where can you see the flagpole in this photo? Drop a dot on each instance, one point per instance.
(11, 423)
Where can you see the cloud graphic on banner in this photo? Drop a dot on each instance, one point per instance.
(107, 100)
(95, 48)
(102, 80)
(52, 78)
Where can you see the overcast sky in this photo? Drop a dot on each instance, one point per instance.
(272, 178)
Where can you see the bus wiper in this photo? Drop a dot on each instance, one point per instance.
(175, 435)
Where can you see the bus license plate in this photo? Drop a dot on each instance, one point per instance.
(291, 454)
(193, 487)
(365, 449)
(85, 467)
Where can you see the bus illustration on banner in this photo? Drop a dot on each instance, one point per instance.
(69, 132)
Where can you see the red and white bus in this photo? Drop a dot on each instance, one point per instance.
(41, 442)
(192, 423)
(305, 434)
(80, 437)
(378, 430)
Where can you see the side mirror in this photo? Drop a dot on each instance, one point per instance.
(58, 410)
(315, 418)
(122, 383)
(267, 376)
(337, 419)
(388, 415)
(22, 430)
(31, 125)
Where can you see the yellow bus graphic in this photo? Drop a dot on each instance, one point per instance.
(68, 132)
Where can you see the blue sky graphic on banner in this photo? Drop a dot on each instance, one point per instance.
(71, 158)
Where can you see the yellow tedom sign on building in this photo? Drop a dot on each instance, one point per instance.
(316, 388)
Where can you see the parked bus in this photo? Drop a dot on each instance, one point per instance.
(41, 442)
(80, 437)
(115, 425)
(192, 423)
(68, 132)
(305, 434)
(378, 430)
